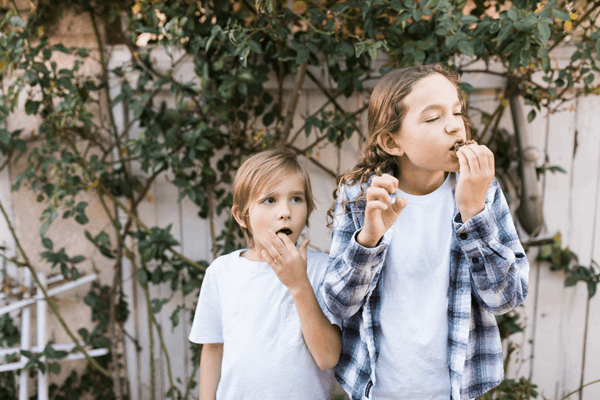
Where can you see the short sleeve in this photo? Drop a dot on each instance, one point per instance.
(207, 326)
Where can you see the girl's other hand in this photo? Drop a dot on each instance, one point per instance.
(380, 213)
(476, 174)
(288, 262)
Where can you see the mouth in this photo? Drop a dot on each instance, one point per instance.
(287, 231)
(460, 144)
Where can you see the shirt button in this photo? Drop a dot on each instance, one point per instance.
(475, 260)
(463, 236)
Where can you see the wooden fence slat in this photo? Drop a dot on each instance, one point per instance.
(589, 123)
(548, 339)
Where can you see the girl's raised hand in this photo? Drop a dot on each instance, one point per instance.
(288, 262)
(476, 174)
(380, 213)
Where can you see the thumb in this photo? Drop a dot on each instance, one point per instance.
(399, 204)
(303, 248)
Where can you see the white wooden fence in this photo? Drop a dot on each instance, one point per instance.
(560, 348)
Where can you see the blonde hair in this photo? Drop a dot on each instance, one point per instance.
(260, 172)
(385, 114)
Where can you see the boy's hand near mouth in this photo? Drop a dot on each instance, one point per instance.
(287, 261)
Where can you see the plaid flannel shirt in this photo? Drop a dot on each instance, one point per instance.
(488, 276)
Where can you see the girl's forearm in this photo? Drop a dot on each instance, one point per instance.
(323, 339)
(210, 370)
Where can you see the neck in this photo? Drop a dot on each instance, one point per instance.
(253, 254)
(417, 181)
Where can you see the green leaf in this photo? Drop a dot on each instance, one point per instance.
(77, 259)
(54, 368)
(512, 14)
(589, 79)
(571, 281)
(468, 19)
(17, 22)
(562, 15)
(531, 116)
(592, 286)
(451, 42)
(143, 276)
(31, 107)
(466, 48)
(417, 14)
(544, 30)
(47, 243)
(466, 87)
(255, 47)
(504, 32)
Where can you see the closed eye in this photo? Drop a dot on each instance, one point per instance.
(432, 119)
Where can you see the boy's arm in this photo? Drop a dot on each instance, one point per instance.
(352, 268)
(498, 264)
(323, 339)
(210, 370)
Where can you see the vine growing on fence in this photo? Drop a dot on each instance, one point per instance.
(225, 111)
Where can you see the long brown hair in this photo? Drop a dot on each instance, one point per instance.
(386, 111)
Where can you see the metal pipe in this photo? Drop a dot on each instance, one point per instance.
(529, 212)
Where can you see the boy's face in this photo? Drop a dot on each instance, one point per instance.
(431, 126)
(280, 208)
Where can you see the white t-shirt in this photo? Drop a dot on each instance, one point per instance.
(412, 361)
(244, 305)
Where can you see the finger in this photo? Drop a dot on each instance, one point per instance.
(285, 239)
(481, 152)
(276, 241)
(375, 206)
(470, 154)
(271, 249)
(386, 182)
(492, 161)
(399, 205)
(377, 193)
(464, 163)
(270, 260)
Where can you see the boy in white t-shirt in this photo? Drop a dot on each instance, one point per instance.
(263, 331)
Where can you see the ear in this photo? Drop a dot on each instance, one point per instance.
(389, 143)
(235, 211)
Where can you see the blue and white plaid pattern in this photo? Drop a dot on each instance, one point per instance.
(487, 264)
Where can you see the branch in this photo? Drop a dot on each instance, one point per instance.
(47, 299)
(317, 163)
(289, 117)
(576, 23)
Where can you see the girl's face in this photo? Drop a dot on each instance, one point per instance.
(281, 208)
(431, 126)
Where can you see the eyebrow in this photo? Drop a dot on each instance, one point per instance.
(438, 106)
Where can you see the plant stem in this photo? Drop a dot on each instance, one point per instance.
(47, 299)
(578, 389)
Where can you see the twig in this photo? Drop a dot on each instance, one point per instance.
(578, 389)
(317, 163)
(289, 117)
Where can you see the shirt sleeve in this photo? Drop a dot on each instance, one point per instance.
(352, 269)
(207, 326)
(498, 264)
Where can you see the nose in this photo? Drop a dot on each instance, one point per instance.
(454, 125)
(284, 211)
